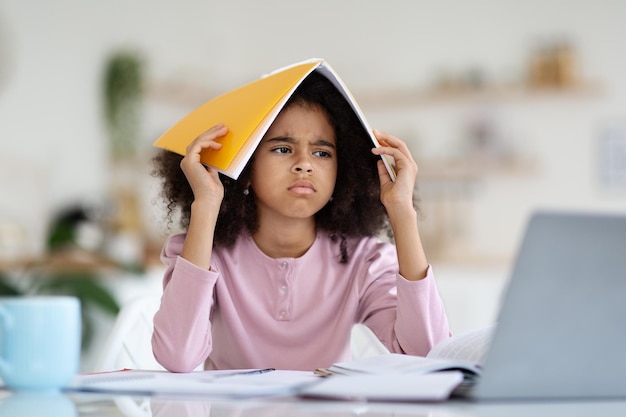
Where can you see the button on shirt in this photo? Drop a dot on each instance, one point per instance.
(253, 311)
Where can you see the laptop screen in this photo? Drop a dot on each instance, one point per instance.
(561, 329)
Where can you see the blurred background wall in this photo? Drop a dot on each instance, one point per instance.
(508, 107)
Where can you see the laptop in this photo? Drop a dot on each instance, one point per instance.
(561, 330)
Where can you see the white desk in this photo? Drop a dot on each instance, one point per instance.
(14, 405)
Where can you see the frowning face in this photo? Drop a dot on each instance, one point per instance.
(295, 165)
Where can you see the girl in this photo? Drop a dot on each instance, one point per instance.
(275, 268)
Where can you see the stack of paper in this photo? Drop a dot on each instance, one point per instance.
(232, 384)
(386, 387)
(386, 377)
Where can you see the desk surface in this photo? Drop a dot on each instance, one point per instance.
(96, 405)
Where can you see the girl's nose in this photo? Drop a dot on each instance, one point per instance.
(303, 165)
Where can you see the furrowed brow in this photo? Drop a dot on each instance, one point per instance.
(322, 142)
(281, 139)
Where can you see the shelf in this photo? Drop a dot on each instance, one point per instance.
(504, 93)
(193, 95)
(474, 168)
(179, 93)
(62, 261)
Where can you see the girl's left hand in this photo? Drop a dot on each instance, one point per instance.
(400, 192)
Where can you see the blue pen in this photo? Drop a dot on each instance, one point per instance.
(258, 371)
(236, 373)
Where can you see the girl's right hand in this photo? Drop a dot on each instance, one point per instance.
(204, 181)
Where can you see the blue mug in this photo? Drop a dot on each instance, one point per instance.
(40, 338)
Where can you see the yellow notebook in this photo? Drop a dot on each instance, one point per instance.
(248, 112)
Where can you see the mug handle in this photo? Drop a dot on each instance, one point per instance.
(6, 322)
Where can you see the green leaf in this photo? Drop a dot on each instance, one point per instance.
(94, 293)
(6, 288)
(88, 329)
(62, 234)
(85, 286)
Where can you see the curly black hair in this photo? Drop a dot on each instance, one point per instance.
(355, 209)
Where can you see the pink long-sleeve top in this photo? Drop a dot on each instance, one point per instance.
(252, 311)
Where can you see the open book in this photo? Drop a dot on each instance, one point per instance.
(464, 352)
(396, 363)
(398, 377)
(469, 346)
(248, 112)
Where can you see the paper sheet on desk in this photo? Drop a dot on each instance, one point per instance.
(436, 386)
(237, 383)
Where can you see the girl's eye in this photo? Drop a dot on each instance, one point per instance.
(281, 149)
(322, 154)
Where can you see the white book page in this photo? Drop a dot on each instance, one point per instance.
(395, 364)
(387, 387)
(330, 73)
(469, 346)
(232, 383)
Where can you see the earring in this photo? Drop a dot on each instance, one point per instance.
(246, 191)
(331, 199)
